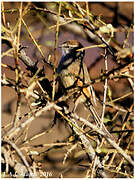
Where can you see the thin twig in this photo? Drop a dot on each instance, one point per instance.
(55, 48)
(105, 90)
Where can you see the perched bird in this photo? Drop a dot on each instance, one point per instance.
(73, 72)
(74, 77)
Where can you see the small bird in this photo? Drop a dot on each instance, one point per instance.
(73, 74)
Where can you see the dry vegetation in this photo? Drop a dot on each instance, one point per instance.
(41, 136)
